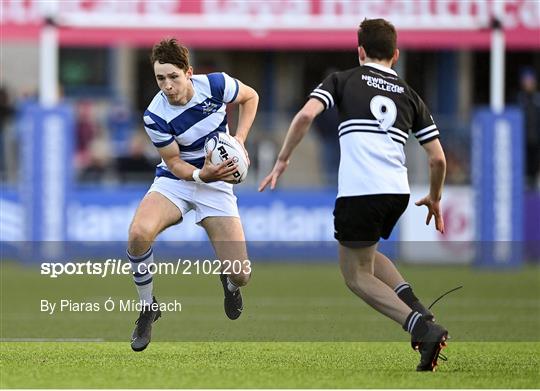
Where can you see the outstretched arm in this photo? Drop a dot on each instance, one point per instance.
(437, 173)
(297, 130)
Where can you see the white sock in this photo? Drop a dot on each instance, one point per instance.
(230, 285)
(145, 293)
(142, 276)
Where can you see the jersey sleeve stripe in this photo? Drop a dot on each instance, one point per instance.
(429, 135)
(327, 94)
(322, 99)
(429, 139)
(236, 91)
(425, 130)
(395, 135)
(217, 84)
(148, 120)
(162, 144)
(157, 123)
(399, 131)
(155, 127)
(398, 140)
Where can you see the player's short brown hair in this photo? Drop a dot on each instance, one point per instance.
(378, 37)
(169, 51)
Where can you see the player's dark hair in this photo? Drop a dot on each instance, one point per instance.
(169, 51)
(378, 37)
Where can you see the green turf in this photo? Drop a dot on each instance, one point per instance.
(284, 302)
(264, 365)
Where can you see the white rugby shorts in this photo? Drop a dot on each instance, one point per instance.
(206, 199)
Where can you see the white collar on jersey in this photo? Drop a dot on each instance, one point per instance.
(380, 68)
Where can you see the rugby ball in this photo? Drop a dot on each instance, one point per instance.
(223, 147)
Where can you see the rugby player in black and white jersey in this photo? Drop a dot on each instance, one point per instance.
(377, 112)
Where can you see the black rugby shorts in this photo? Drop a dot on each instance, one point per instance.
(360, 221)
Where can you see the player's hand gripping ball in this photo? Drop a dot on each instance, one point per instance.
(223, 147)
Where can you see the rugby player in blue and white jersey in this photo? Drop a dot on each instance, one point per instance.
(188, 109)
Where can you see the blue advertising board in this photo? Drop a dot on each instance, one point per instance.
(497, 151)
(46, 172)
(46, 137)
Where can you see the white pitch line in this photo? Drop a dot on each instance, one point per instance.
(52, 340)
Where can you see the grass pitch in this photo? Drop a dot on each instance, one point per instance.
(264, 365)
(301, 329)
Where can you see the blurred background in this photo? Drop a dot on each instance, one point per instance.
(86, 64)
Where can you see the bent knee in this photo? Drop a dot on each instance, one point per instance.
(140, 235)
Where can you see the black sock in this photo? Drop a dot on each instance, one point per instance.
(406, 294)
(415, 324)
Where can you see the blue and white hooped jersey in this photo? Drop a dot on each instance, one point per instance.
(190, 125)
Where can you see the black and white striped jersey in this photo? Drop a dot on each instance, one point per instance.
(377, 112)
